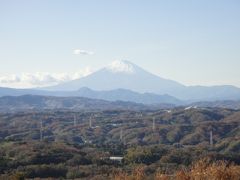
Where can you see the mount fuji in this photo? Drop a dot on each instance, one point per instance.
(121, 75)
(126, 75)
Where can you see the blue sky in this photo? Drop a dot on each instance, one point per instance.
(193, 42)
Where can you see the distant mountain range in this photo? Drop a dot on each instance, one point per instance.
(127, 95)
(125, 81)
(34, 102)
(113, 95)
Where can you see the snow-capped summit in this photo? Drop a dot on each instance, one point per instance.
(122, 66)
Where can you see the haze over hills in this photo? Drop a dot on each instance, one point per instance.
(34, 102)
(112, 95)
(128, 95)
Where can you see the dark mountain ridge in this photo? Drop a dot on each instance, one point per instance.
(113, 95)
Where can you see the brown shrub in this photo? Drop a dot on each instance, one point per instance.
(206, 170)
(202, 170)
(137, 174)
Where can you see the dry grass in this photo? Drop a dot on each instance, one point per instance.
(202, 170)
(138, 174)
(219, 170)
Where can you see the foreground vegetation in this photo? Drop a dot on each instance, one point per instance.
(162, 144)
(203, 169)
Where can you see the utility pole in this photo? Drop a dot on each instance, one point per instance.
(121, 134)
(211, 138)
(153, 124)
(75, 120)
(41, 130)
(122, 138)
(90, 122)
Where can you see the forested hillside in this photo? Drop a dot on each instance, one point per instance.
(79, 144)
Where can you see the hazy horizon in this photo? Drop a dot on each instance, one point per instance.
(46, 42)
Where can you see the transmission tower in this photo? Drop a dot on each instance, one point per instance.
(75, 120)
(90, 122)
(211, 138)
(41, 130)
(121, 134)
(153, 124)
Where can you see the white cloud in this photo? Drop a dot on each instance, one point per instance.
(9, 79)
(82, 52)
(40, 79)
